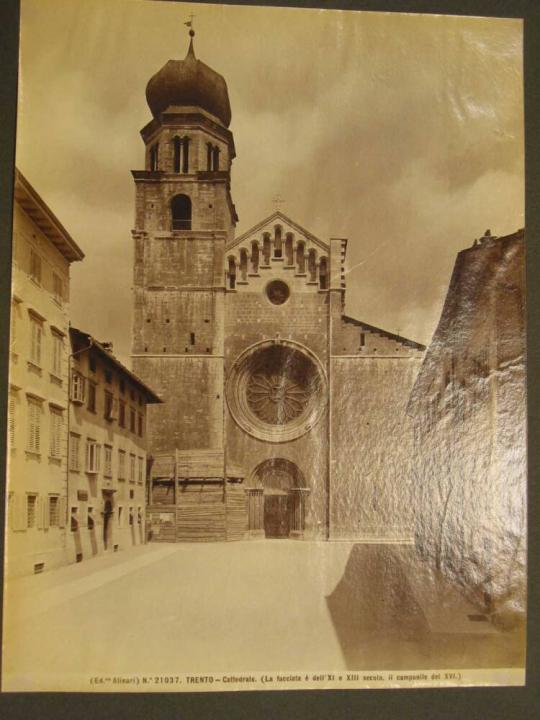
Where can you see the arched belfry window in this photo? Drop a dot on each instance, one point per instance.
(153, 157)
(177, 145)
(185, 155)
(209, 156)
(243, 264)
(181, 212)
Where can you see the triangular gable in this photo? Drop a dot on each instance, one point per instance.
(278, 216)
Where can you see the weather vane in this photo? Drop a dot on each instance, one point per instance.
(189, 24)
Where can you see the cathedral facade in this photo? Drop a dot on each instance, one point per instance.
(282, 416)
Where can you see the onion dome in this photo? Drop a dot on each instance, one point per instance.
(189, 82)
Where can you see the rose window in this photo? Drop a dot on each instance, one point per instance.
(276, 391)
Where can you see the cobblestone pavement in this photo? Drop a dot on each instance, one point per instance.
(238, 607)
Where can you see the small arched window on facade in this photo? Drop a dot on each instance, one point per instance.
(312, 265)
(323, 274)
(289, 259)
(254, 257)
(181, 212)
(177, 145)
(153, 156)
(300, 258)
(278, 246)
(232, 273)
(266, 249)
(243, 264)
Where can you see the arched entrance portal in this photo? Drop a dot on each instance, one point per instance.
(277, 500)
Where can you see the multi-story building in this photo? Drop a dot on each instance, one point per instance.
(107, 450)
(38, 385)
(469, 412)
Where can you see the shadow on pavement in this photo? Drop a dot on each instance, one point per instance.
(390, 611)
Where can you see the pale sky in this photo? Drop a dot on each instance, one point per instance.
(401, 132)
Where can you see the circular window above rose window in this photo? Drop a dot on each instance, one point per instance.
(276, 391)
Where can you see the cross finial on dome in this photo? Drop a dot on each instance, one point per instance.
(189, 24)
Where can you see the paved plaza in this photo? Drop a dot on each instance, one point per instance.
(239, 607)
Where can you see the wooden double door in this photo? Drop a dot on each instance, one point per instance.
(277, 515)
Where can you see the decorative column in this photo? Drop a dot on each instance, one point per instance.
(255, 500)
(297, 510)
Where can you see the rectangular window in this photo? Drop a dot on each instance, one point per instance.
(108, 461)
(58, 288)
(132, 468)
(140, 476)
(120, 516)
(74, 452)
(35, 266)
(31, 507)
(12, 409)
(121, 465)
(91, 397)
(122, 413)
(92, 456)
(34, 425)
(54, 511)
(58, 351)
(78, 387)
(140, 428)
(132, 420)
(36, 329)
(110, 406)
(56, 428)
(131, 516)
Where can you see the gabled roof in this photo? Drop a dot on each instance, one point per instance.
(91, 343)
(279, 216)
(384, 333)
(44, 218)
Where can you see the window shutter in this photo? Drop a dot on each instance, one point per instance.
(62, 512)
(11, 421)
(46, 510)
(39, 512)
(37, 428)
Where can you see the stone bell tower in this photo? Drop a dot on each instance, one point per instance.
(184, 218)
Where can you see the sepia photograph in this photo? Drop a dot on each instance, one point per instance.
(267, 404)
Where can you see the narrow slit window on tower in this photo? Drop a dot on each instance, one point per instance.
(192, 338)
(362, 339)
(154, 150)
(177, 154)
(215, 158)
(181, 212)
(185, 155)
